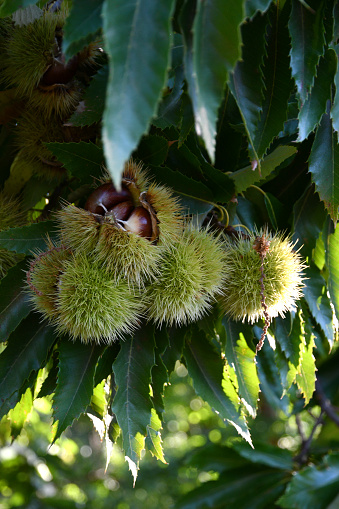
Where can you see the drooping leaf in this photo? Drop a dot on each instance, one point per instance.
(245, 487)
(74, 389)
(14, 302)
(246, 82)
(92, 105)
(159, 371)
(315, 294)
(246, 176)
(315, 104)
(82, 160)
(277, 78)
(216, 48)
(324, 165)
(139, 53)
(153, 439)
(9, 6)
(152, 150)
(332, 254)
(307, 35)
(308, 220)
(82, 24)
(241, 358)
(132, 404)
(26, 351)
(25, 239)
(266, 454)
(335, 105)
(105, 362)
(20, 413)
(211, 382)
(314, 487)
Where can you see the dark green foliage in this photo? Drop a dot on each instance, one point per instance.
(234, 105)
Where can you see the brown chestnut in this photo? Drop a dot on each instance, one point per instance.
(105, 197)
(139, 222)
(60, 73)
(122, 210)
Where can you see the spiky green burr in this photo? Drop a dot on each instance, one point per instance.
(92, 306)
(283, 281)
(190, 277)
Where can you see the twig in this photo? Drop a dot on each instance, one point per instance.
(262, 247)
(325, 403)
(302, 457)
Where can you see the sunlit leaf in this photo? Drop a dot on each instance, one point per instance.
(139, 52)
(306, 376)
(153, 439)
(332, 254)
(241, 358)
(74, 389)
(289, 334)
(132, 403)
(20, 413)
(206, 369)
(324, 165)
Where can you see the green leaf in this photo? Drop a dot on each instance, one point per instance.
(308, 220)
(305, 378)
(82, 160)
(266, 454)
(246, 177)
(335, 105)
(332, 256)
(182, 184)
(307, 35)
(246, 82)
(315, 294)
(132, 404)
(140, 54)
(315, 104)
(26, 351)
(216, 48)
(25, 239)
(277, 78)
(252, 6)
(242, 360)
(245, 487)
(289, 335)
(20, 413)
(270, 378)
(93, 101)
(152, 150)
(153, 439)
(159, 371)
(74, 389)
(82, 24)
(9, 6)
(324, 165)
(14, 302)
(211, 381)
(314, 487)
